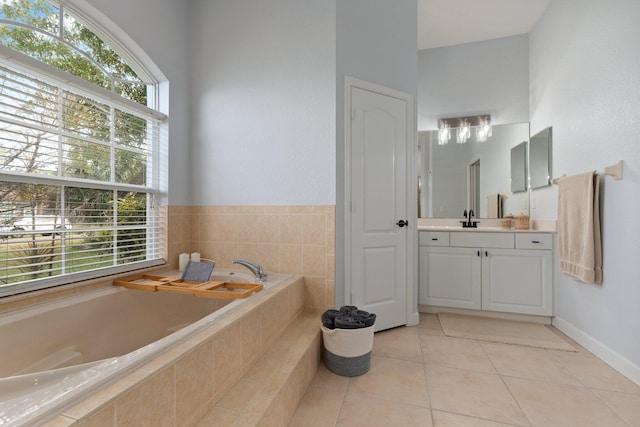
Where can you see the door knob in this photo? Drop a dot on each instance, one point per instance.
(402, 223)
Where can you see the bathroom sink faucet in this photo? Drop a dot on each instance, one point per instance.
(256, 269)
(469, 223)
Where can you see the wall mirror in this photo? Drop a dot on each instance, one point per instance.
(454, 177)
(519, 167)
(540, 159)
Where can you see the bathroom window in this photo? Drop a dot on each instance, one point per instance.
(79, 151)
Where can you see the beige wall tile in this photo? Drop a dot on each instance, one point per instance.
(247, 251)
(269, 256)
(329, 294)
(62, 421)
(218, 417)
(251, 339)
(295, 387)
(269, 318)
(291, 229)
(103, 418)
(149, 404)
(315, 292)
(331, 241)
(302, 209)
(331, 267)
(268, 229)
(274, 415)
(247, 228)
(290, 259)
(227, 357)
(194, 383)
(296, 240)
(314, 230)
(314, 261)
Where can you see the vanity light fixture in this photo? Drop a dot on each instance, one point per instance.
(464, 131)
(484, 130)
(444, 134)
(463, 126)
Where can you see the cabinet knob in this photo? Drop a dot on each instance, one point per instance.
(486, 253)
(434, 238)
(535, 241)
(478, 253)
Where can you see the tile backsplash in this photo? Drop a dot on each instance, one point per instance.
(284, 239)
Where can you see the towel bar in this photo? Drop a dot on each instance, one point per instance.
(614, 171)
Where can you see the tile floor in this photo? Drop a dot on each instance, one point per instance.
(420, 377)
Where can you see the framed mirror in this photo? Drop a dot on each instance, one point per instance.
(540, 159)
(519, 168)
(454, 177)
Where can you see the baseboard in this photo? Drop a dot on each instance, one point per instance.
(413, 319)
(607, 355)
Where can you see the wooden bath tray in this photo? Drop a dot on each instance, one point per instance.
(212, 289)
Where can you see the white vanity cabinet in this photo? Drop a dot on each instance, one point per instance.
(502, 271)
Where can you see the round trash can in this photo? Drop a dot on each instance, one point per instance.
(347, 352)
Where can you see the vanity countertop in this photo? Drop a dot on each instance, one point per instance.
(484, 226)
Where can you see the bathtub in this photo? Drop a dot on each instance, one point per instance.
(55, 352)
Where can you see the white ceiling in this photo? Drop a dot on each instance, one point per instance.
(450, 22)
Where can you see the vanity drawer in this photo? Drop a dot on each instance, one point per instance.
(534, 241)
(434, 238)
(469, 239)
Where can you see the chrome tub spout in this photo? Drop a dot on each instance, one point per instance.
(256, 269)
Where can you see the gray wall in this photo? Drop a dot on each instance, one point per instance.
(263, 96)
(159, 27)
(584, 82)
(376, 41)
(475, 78)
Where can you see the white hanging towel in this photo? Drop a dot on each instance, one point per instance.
(493, 206)
(579, 244)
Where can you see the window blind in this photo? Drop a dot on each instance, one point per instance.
(79, 173)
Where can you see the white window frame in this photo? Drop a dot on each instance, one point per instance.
(135, 58)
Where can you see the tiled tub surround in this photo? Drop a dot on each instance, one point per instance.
(298, 240)
(179, 386)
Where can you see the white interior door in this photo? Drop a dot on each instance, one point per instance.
(377, 145)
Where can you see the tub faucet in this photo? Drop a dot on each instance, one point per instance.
(256, 269)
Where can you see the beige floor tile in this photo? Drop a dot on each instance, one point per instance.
(362, 410)
(392, 379)
(549, 404)
(398, 343)
(218, 417)
(627, 406)
(447, 419)
(327, 378)
(593, 372)
(477, 394)
(528, 362)
(429, 323)
(456, 353)
(319, 407)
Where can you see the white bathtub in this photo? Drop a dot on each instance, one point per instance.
(54, 352)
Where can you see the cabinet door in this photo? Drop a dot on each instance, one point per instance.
(517, 281)
(450, 277)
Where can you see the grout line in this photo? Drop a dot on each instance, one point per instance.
(344, 394)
